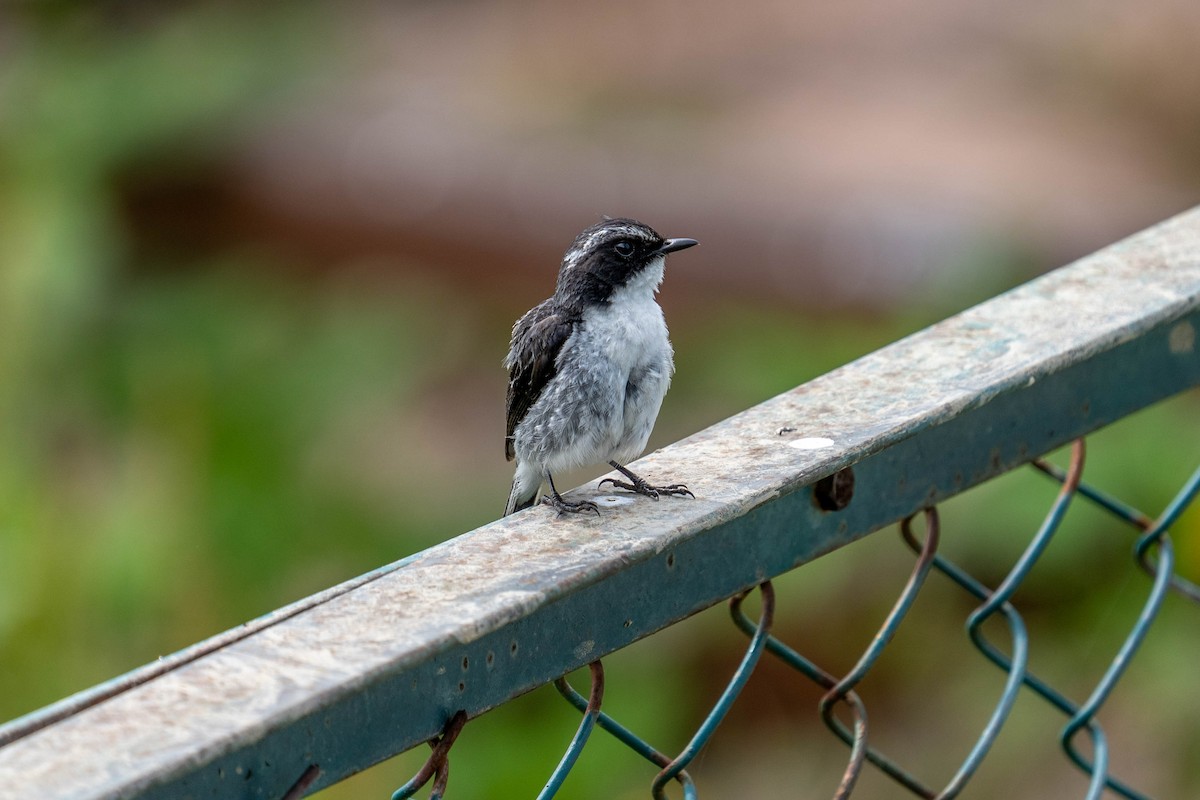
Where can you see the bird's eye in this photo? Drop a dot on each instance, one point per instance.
(624, 249)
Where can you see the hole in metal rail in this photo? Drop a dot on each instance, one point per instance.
(834, 492)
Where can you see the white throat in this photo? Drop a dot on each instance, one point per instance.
(643, 285)
(629, 329)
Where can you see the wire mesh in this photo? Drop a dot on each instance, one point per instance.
(1152, 552)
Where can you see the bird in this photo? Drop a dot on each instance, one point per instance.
(588, 367)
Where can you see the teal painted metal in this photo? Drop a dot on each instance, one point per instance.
(725, 702)
(1155, 535)
(628, 737)
(673, 769)
(513, 605)
(591, 712)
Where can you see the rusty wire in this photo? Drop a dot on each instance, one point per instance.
(438, 763)
(725, 702)
(626, 737)
(300, 787)
(674, 769)
(591, 713)
(887, 631)
(1137, 519)
(841, 690)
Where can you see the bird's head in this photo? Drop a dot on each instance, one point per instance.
(612, 255)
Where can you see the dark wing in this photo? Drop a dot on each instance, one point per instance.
(536, 340)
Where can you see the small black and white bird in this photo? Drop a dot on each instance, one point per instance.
(589, 367)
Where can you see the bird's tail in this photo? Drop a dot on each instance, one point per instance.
(519, 498)
(526, 482)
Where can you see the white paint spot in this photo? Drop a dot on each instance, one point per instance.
(1182, 339)
(584, 648)
(612, 500)
(811, 443)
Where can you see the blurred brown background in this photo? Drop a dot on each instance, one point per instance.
(258, 265)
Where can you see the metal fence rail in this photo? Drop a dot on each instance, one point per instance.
(312, 693)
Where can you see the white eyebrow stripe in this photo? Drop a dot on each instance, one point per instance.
(607, 232)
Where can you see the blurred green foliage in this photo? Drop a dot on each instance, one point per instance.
(188, 445)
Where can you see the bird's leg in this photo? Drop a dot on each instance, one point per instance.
(639, 485)
(556, 501)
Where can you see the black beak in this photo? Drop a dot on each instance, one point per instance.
(671, 245)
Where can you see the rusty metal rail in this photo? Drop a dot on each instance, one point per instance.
(315, 692)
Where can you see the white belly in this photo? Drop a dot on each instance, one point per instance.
(631, 335)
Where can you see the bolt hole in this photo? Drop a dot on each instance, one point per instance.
(834, 492)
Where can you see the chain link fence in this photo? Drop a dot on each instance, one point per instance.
(1082, 737)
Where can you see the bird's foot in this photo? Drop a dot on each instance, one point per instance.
(560, 505)
(640, 486)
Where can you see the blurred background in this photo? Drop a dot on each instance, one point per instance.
(259, 263)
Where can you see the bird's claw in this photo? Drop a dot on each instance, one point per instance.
(563, 507)
(645, 488)
(653, 492)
